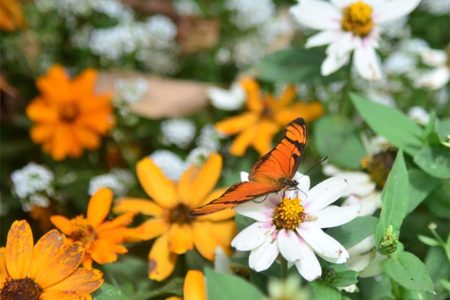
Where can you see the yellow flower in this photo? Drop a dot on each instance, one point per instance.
(194, 287)
(11, 17)
(48, 270)
(101, 239)
(68, 116)
(265, 117)
(171, 222)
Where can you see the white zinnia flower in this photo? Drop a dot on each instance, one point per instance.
(361, 189)
(117, 180)
(291, 224)
(440, 75)
(350, 25)
(32, 179)
(179, 132)
(231, 99)
(170, 163)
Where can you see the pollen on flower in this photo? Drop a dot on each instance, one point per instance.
(180, 214)
(357, 18)
(20, 289)
(288, 214)
(82, 231)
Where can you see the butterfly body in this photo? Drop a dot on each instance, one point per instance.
(272, 173)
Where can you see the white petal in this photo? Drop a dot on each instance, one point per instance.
(367, 63)
(322, 38)
(359, 262)
(317, 14)
(231, 99)
(343, 45)
(332, 216)
(304, 182)
(362, 189)
(258, 211)
(325, 193)
(244, 176)
(374, 267)
(394, 9)
(433, 57)
(435, 79)
(252, 237)
(369, 204)
(332, 63)
(262, 258)
(323, 244)
(308, 266)
(289, 243)
(342, 3)
(419, 114)
(362, 247)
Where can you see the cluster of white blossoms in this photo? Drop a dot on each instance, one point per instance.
(118, 180)
(179, 132)
(291, 223)
(436, 7)
(170, 163)
(231, 99)
(249, 14)
(130, 91)
(351, 29)
(33, 184)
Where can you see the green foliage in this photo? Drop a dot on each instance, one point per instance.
(355, 231)
(321, 291)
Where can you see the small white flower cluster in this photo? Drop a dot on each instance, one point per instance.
(152, 41)
(179, 132)
(170, 163)
(118, 180)
(436, 7)
(130, 91)
(187, 7)
(248, 14)
(33, 184)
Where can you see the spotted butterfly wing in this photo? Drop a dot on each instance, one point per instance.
(271, 173)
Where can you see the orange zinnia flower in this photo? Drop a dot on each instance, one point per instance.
(194, 287)
(68, 116)
(102, 239)
(170, 209)
(48, 271)
(11, 17)
(264, 118)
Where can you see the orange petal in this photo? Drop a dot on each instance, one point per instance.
(99, 206)
(56, 76)
(161, 262)
(120, 221)
(223, 232)
(4, 276)
(307, 111)
(156, 185)
(62, 223)
(138, 205)
(236, 124)
(263, 140)
(99, 121)
(83, 84)
(194, 286)
(44, 251)
(243, 140)
(81, 282)
(204, 243)
(286, 97)
(19, 249)
(253, 92)
(149, 229)
(185, 185)
(61, 142)
(64, 263)
(104, 252)
(86, 137)
(206, 179)
(180, 238)
(58, 295)
(40, 111)
(42, 133)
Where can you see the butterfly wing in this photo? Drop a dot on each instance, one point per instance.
(235, 195)
(283, 160)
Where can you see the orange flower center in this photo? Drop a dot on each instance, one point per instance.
(288, 214)
(379, 165)
(180, 214)
(357, 18)
(267, 112)
(69, 112)
(21, 289)
(82, 231)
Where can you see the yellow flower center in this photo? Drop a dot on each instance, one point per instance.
(20, 289)
(69, 112)
(180, 214)
(357, 18)
(82, 231)
(288, 214)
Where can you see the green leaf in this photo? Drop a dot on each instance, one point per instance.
(228, 287)
(445, 284)
(428, 241)
(394, 198)
(321, 291)
(391, 124)
(435, 160)
(339, 139)
(343, 279)
(420, 186)
(109, 291)
(437, 263)
(443, 129)
(408, 271)
(355, 231)
(430, 132)
(291, 65)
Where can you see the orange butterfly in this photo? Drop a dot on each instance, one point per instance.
(271, 173)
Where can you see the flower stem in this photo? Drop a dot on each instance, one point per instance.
(345, 103)
(283, 268)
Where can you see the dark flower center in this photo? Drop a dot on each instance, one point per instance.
(21, 289)
(69, 112)
(180, 214)
(379, 165)
(82, 231)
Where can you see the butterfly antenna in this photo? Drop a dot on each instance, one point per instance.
(309, 170)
